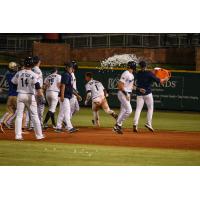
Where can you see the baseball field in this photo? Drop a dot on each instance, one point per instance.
(176, 142)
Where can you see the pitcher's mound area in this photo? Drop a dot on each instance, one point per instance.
(105, 136)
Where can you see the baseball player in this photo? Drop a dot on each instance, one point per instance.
(74, 101)
(66, 92)
(27, 82)
(12, 97)
(125, 86)
(52, 86)
(40, 105)
(144, 79)
(96, 91)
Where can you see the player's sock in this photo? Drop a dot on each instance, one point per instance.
(48, 115)
(53, 119)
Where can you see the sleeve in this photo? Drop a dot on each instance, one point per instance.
(58, 79)
(64, 79)
(123, 78)
(15, 79)
(35, 79)
(154, 78)
(87, 87)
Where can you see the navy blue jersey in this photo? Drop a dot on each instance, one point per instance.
(144, 79)
(66, 79)
(12, 87)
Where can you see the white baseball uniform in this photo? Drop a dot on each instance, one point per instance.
(125, 110)
(52, 90)
(73, 101)
(96, 90)
(25, 81)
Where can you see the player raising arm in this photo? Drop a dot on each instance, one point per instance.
(144, 80)
(96, 92)
(27, 82)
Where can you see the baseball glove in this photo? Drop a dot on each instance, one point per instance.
(162, 73)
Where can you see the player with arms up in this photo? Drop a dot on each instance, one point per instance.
(27, 81)
(125, 86)
(144, 80)
(52, 87)
(97, 93)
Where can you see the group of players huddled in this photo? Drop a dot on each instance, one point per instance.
(28, 94)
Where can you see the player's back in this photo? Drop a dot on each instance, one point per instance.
(52, 82)
(127, 78)
(25, 80)
(38, 71)
(96, 88)
(12, 88)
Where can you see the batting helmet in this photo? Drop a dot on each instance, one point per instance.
(12, 66)
(143, 64)
(132, 65)
(28, 62)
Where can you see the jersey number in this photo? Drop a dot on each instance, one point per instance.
(24, 82)
(97, 88)
(51, 81)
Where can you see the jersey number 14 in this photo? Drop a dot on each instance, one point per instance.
(24, 82)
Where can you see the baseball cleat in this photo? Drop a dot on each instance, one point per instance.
(40, 138)
(30, 129)
(117, 129)
(73, 130)
(45, 126)
(149, 127)
(19, 138)
(114, 115)
(135, 129)
(1, 128)
(58, 130)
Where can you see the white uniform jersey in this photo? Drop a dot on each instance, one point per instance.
(96, 88)
(52, 82)
(25, 81)
(38, 71)
(127, 78)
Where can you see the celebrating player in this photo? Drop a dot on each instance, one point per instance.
(12, 97)
(52, 86)
(144, 80)
(27, 82)
(96, 92)
(125, 86)
(66, 92)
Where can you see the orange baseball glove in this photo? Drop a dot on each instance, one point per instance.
(161, 73)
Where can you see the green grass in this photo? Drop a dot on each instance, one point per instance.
(49, 154)
(162, 120)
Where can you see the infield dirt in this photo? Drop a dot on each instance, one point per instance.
(105, 136)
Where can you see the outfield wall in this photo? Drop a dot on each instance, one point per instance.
(181, 92)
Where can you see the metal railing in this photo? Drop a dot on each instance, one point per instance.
(16, 43)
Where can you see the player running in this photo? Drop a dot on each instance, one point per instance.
(144, 80)
(97, 93)
(27, 82)
(52, 87)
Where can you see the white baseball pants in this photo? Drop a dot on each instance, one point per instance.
(29, 101)
(64, 114)
(148, 100)
(52, 100)
(74, 105)
(125, 109)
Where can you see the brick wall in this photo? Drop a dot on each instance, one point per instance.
(52, 53)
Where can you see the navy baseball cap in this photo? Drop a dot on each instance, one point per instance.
(143, 64)
(36, 59)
